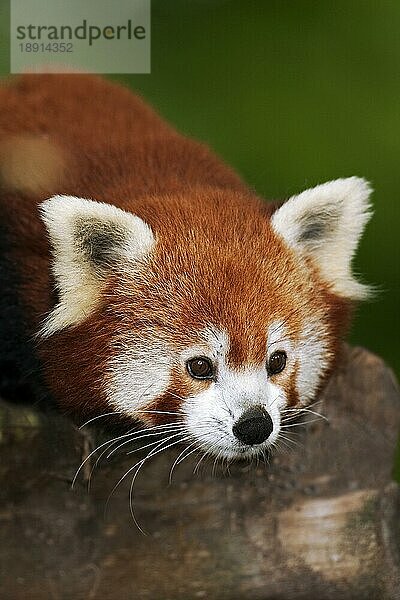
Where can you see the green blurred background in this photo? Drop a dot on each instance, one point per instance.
(291, 93)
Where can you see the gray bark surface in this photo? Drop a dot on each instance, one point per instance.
(321, 521)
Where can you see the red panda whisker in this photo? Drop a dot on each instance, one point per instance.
(133, 440)
(230, 461)
(222, 432)
(157, 412)
(153, 453)
(205, 454)
(295, 433)
(158, 447)
(292, 416)
(93, 452)
(266, 455)
(289, 422)
(300, 408)
(181, 457)
(273, 447)
(147, 432)
(325, 418)
(96, 463)
(290, 444)
(250, 460)
(278, 396)
(114, 412)
(140, 465)
(257, 458)
(287, 443)
(312, 412)
(284, 426)
(320, 401)
(228, 410)
(118, 412)
(222, 465)
(286, 437)
(281, 447)
(212, 425)
(171, 430)
(313, 404)
(140, 448)
(216, 460)
(108, 443)
(215, 463)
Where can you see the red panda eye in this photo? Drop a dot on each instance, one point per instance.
(276, 362)
(200, 367)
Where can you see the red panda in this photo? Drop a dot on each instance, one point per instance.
(141, 277)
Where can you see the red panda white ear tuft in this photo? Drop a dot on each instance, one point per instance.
(88, 240)
(326, 223)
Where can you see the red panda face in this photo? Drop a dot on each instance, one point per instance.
(219, 319)
(213, 340)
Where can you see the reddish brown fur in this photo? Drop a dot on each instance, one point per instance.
(117, 150)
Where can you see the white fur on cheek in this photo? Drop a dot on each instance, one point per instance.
(138, 375)
(312, 354)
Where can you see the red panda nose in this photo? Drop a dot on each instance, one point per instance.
(254, 426)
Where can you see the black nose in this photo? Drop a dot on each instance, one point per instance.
(253, 427)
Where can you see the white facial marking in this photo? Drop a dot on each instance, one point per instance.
(312, 356)
(278, 339)
(212, 343)
(139, 373)
(211, 414)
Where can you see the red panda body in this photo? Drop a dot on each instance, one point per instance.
(140, 274)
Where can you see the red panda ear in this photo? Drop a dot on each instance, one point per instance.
(88, 239)
(326, 223)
